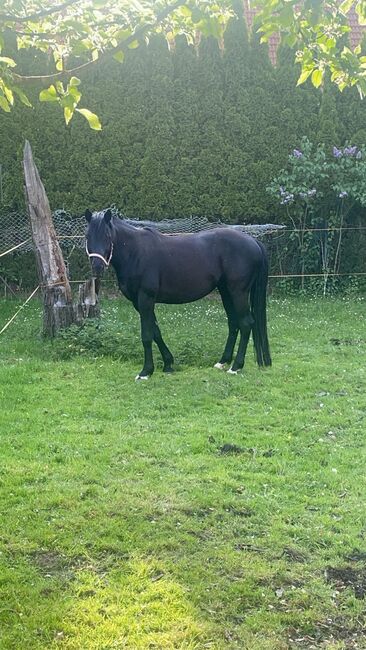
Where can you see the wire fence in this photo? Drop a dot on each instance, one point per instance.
(282, 244)
(15, 230)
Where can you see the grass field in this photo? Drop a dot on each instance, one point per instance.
(198, 510)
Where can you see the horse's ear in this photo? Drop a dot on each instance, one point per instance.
(108, 215)
(88, 215)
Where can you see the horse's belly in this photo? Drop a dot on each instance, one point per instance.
(181, 291)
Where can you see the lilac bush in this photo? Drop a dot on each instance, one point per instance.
(319, 189)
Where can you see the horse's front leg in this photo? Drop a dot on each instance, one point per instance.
(145, 306)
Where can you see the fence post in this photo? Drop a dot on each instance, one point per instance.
(58, 309)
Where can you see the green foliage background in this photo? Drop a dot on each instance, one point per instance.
(195, 131)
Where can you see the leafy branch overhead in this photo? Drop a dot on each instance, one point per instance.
(318, 31)
(77, 34)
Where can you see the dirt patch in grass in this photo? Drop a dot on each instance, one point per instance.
(53, 564)
(347, 341)
(229, 448)
(356, 556)
(347, 576)
(294, 554)
(328, 632)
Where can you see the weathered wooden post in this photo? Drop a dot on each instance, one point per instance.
(58, 309)
(87, 305)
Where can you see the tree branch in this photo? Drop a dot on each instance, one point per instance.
(40, 14)
(122, 47)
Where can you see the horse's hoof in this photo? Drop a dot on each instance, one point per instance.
(139, 377)
(232, 372)
(220, 366)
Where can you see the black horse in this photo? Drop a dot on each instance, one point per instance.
(152, 267)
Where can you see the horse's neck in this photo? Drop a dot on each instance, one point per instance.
(125, 245)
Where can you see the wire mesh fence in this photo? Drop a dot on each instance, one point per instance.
(15, 230)
(287, 260)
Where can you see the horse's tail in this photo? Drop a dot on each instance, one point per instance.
(258, 300)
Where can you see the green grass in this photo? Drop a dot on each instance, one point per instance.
(125, 525)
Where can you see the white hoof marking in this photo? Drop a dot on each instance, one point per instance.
(220, 366)
(232, 372)
(139, 378)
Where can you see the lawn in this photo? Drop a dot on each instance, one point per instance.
(197, 510)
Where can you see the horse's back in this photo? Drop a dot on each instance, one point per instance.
(188, 267)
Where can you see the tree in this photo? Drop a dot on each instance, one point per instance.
(75, 35)
(317, 30)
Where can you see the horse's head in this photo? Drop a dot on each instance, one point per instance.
(99, 240)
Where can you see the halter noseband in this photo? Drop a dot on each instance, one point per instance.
(106, 262)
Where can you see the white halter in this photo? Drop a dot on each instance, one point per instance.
(106, 262)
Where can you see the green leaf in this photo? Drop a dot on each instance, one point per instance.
(93, 119)
(49, 95)
(4, 104)
(317, 78)
(361, 11)
(119, 56)
(122, 34)
(185, 11)
(286, 17)
(74, 81)
(68, 113)
(290, 40)
(68, 100)
(58, 61)
(345, 6)
(9, 95)
(22, 96)
(304, 75)
(8, 61)
(133, 45)
(75, 94)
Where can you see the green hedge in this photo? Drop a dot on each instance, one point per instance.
(193, 131)
(188, 132)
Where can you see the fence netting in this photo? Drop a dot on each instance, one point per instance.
(15, 229)
(329, 257)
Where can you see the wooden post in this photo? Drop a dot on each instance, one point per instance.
(58, 310)
(87, 305)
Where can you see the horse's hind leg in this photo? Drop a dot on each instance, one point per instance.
(245, 322)
(233, 328)
(167, 356)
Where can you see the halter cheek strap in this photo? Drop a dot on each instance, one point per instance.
(106, 262)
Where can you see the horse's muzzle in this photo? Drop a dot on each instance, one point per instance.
(98, 267)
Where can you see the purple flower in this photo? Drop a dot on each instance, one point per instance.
(342, 195)
(337, 153)
(312, 192)
(297, 153)
(350, 151)
(287, 198)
